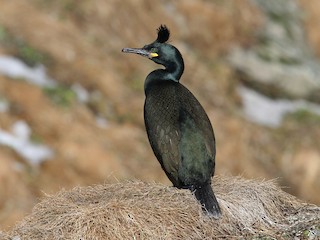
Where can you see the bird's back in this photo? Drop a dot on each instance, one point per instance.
(180, 133)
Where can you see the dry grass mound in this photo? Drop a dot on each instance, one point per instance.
(137, 210)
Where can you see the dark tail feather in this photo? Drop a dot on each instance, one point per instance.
(207, 199)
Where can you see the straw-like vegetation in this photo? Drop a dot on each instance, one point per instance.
(137, 210)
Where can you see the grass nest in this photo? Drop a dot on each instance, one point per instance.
(136, 210)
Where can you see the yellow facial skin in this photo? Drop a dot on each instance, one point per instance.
(153, 54)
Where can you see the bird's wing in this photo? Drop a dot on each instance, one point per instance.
(198, 114)
(167, 140)
(161, 120)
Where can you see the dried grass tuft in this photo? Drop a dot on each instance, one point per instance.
(137, 210)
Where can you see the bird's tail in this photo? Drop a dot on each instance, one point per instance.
(207, 199)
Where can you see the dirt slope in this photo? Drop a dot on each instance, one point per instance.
(80, 42)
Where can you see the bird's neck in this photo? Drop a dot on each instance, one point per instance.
(172, 72)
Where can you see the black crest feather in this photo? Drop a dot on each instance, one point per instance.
(163, 34)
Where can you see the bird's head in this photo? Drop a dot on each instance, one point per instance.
(159, 51)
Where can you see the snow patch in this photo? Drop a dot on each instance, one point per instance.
(15, 68)
(19, 140)
(4, 105)
(269, 112)
(102, 122)
(81, 93)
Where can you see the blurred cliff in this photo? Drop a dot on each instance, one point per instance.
(71, 104)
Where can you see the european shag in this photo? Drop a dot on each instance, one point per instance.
(178, 128)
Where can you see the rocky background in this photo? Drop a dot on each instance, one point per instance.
(71, 104)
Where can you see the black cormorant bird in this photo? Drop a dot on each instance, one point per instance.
(178, 128)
